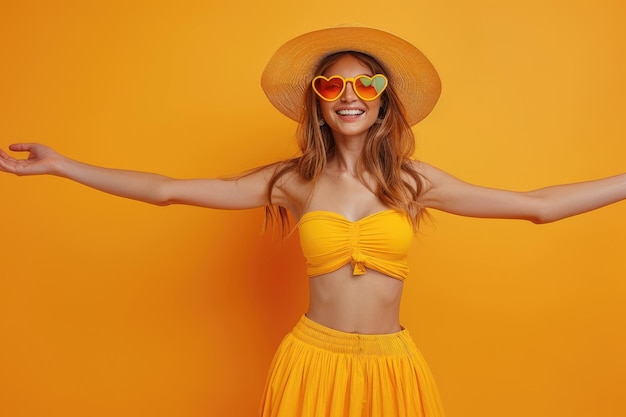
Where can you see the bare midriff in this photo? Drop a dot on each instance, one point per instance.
(365, 304)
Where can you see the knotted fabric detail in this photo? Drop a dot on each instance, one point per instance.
(358, 263)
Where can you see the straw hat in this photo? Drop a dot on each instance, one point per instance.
(290, 70)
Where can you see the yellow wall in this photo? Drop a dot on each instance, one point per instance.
(111, 307)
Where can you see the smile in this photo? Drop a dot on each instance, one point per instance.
(350, 112)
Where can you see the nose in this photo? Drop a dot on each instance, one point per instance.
(348, 93)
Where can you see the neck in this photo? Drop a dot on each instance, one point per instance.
(348, 150)
(345, 158)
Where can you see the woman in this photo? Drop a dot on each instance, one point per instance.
(357, 197)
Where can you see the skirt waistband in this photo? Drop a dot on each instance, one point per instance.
(315, 334)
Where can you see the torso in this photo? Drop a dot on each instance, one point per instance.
(367, 304)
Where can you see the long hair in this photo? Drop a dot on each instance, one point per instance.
(386, 155)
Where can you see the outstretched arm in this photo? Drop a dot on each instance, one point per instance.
(246, 192)
(447, 193)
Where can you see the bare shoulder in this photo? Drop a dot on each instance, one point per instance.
(435, 183)
(426, 172)
(289, 190)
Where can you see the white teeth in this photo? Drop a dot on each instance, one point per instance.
(350, 112)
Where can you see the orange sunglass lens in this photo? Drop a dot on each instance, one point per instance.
(366, 92)
(329, 89)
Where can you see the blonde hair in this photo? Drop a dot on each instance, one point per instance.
(386, 156)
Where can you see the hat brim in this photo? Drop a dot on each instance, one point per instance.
(291, 69)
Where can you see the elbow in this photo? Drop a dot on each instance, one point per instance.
(540, 220)
(544, 214)
(164, 200)
(161, 203)
(161, 194)
(536, 219)
(541, 212)
(538, 216)
(549, 218)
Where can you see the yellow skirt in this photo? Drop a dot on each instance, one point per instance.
(322, 372)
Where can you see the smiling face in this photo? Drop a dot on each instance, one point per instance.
(349, 116)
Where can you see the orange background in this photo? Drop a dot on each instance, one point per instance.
(113, 307)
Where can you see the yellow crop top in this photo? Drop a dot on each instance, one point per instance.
(379, 241)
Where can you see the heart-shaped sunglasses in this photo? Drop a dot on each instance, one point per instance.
(366, 88)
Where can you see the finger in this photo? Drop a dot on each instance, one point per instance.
(5, 164)
(5, 156)
(21, 147)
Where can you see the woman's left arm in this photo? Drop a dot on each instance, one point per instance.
(444, 192)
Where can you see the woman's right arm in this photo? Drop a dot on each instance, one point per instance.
(248, 191)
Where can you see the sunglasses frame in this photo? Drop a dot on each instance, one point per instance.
(351, 80)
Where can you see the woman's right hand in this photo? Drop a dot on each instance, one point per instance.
(41, 160)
